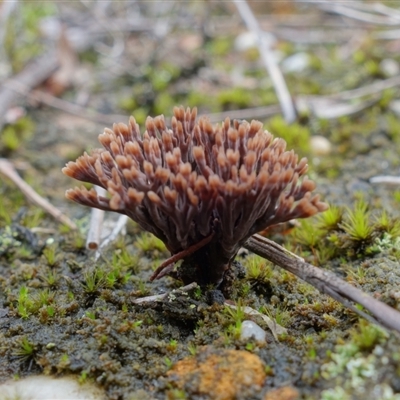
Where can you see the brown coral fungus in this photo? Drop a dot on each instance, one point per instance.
(202, 189)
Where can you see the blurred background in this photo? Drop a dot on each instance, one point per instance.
(324, 75)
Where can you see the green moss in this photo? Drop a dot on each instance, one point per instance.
(14, 135)
(25, 350)
(357, 223)
(234, 98)
(258, 270)
(9, 241)
(147, 242)
(22, 40)
(387, 224)
(220, 46)
(163, 75)
(296, 136)
(391, 122)
(330, 219)
(25, 303)
(386, 97)
(279, 314)
(308, 234)
(163, 101)
(196, 98)
(51, 278)
(50, 254)
(93, 281)
(33, 217)
(368, 335)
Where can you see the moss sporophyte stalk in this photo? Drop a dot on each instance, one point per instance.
(201, 189)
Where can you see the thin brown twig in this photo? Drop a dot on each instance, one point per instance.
(160, 271)
(8, 170)
(326, 282)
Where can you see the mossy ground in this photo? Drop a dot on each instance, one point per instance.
(62, 312)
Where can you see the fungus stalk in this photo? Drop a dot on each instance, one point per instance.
(202, 189)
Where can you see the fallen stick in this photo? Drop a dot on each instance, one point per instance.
(163, 296)
(8, 170)
(31, 76)
(246, 113)
(96, 223)
(274, 327)
(60, 104)
(326, 282)
(364, 16)
(269, 60)
(95, 116)
(118, 227)
(390, 180)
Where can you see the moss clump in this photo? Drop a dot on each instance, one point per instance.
(14, 135)
(296, 136)
(357, 224)
(354, 232)
(22, 40)
(235, 98)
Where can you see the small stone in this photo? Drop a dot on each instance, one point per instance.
(219, 374)
(320, 145)
(49, 388)
(296, 62)
(283, 393)
(389, 67)
(395, 106)
(215, 297)
(251, 330)
(248, 40)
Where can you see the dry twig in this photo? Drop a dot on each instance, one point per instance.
(55, 102)
(119, 226)
(33, 75)
(363, 12)
(8, 170)
(246, 113)
(160, 297)
(326, 282)
(274, 327)
(269, 60)
(96, 223)
(342, 103)
(390, 180)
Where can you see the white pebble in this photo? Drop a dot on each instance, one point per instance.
(48, 388)
(320, 145)
(296, 62)
(251, 329)
(389, 67)
(248, 40)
